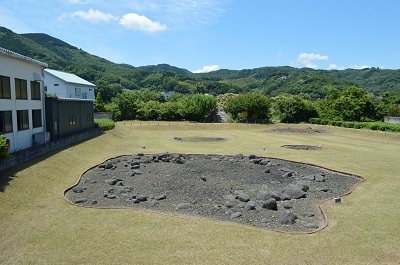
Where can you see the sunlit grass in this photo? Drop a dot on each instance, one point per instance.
(37, 226)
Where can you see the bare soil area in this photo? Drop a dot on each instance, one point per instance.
(257, 191)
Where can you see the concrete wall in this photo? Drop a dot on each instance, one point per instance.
(22, 69)
(35, 151)
(393, 120)
(103, 115)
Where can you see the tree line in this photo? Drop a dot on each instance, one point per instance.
(350, 104)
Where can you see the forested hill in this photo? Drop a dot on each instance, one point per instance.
(109, 76)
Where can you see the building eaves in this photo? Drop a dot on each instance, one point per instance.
(22, 57)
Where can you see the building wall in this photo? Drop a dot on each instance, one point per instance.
(62, 89)
(68, 117)
(18, 68)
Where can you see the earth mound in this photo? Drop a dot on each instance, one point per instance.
(258, 191)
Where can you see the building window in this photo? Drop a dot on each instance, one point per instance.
(22, 120)
(35, 90)
(77, 91)
(5, 91)
(84, 95)
(37, 118)
(21, 89)
(89, 117)
(56, 85)
(72, 120)
(6, 121)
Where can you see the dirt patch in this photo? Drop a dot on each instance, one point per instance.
(302, 147)
(307, 130)
(200, 139)
(262, 192)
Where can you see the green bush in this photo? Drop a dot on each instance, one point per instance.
(348, 124)
(3, 147)
(104, 124)
(359, 125)
(315, 120)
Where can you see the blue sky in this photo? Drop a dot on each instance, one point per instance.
(205, 35)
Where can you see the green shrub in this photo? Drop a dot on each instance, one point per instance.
(104, 124)
(348, 124)
(359, 125)
(3, 147)
(315, 120)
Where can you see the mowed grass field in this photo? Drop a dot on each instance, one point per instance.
(37, 226)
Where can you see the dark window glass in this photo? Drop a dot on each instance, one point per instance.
(37, 118)
(21, 89)
(6, 121)
(72, 120)
(22, 120)
(35, 90)
(5, 88)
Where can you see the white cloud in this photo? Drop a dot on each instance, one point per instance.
(207, 69)
(307, 59)
(138, 22)
(337, 67)
(94, 16)
(181, 13)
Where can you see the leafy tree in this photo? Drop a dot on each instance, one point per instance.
(3, 147)
(113, 107)
(295, 109)
(170, 111)
(100, 106)
(197, 107)
(148, 110)
(256, 105)
(351, 104)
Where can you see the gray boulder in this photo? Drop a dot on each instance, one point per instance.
(287, 218)
(270, 204)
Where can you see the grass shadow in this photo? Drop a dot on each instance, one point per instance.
(8, 175)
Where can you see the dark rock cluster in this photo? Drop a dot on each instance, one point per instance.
(252, 190)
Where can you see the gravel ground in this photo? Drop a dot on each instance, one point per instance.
(256, 191)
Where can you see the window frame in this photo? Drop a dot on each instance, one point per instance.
(23, 120)
(72, 120)
(3, 122)
(35, 90)
(21, 89)
(5, 87)
(37, 118)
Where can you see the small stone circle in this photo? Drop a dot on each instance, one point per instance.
(258, 191)
(302, 147)
(308, 130)
(199, 139)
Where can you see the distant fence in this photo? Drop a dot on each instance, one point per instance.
(37, 150)
(393, 120)
(103, 115)
(182, 123)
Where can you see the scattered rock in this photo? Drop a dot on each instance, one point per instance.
(270, 204)
(235, 215)
(184, 206)
(287, 218)
(78, 190)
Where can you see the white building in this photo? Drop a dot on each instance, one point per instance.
(21, 99)
(66, 85)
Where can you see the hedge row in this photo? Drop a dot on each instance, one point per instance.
(375, 126)
(104, 124)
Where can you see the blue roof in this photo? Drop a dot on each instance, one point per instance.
(68, 78)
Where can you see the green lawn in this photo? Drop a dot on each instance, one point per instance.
(37, 226)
